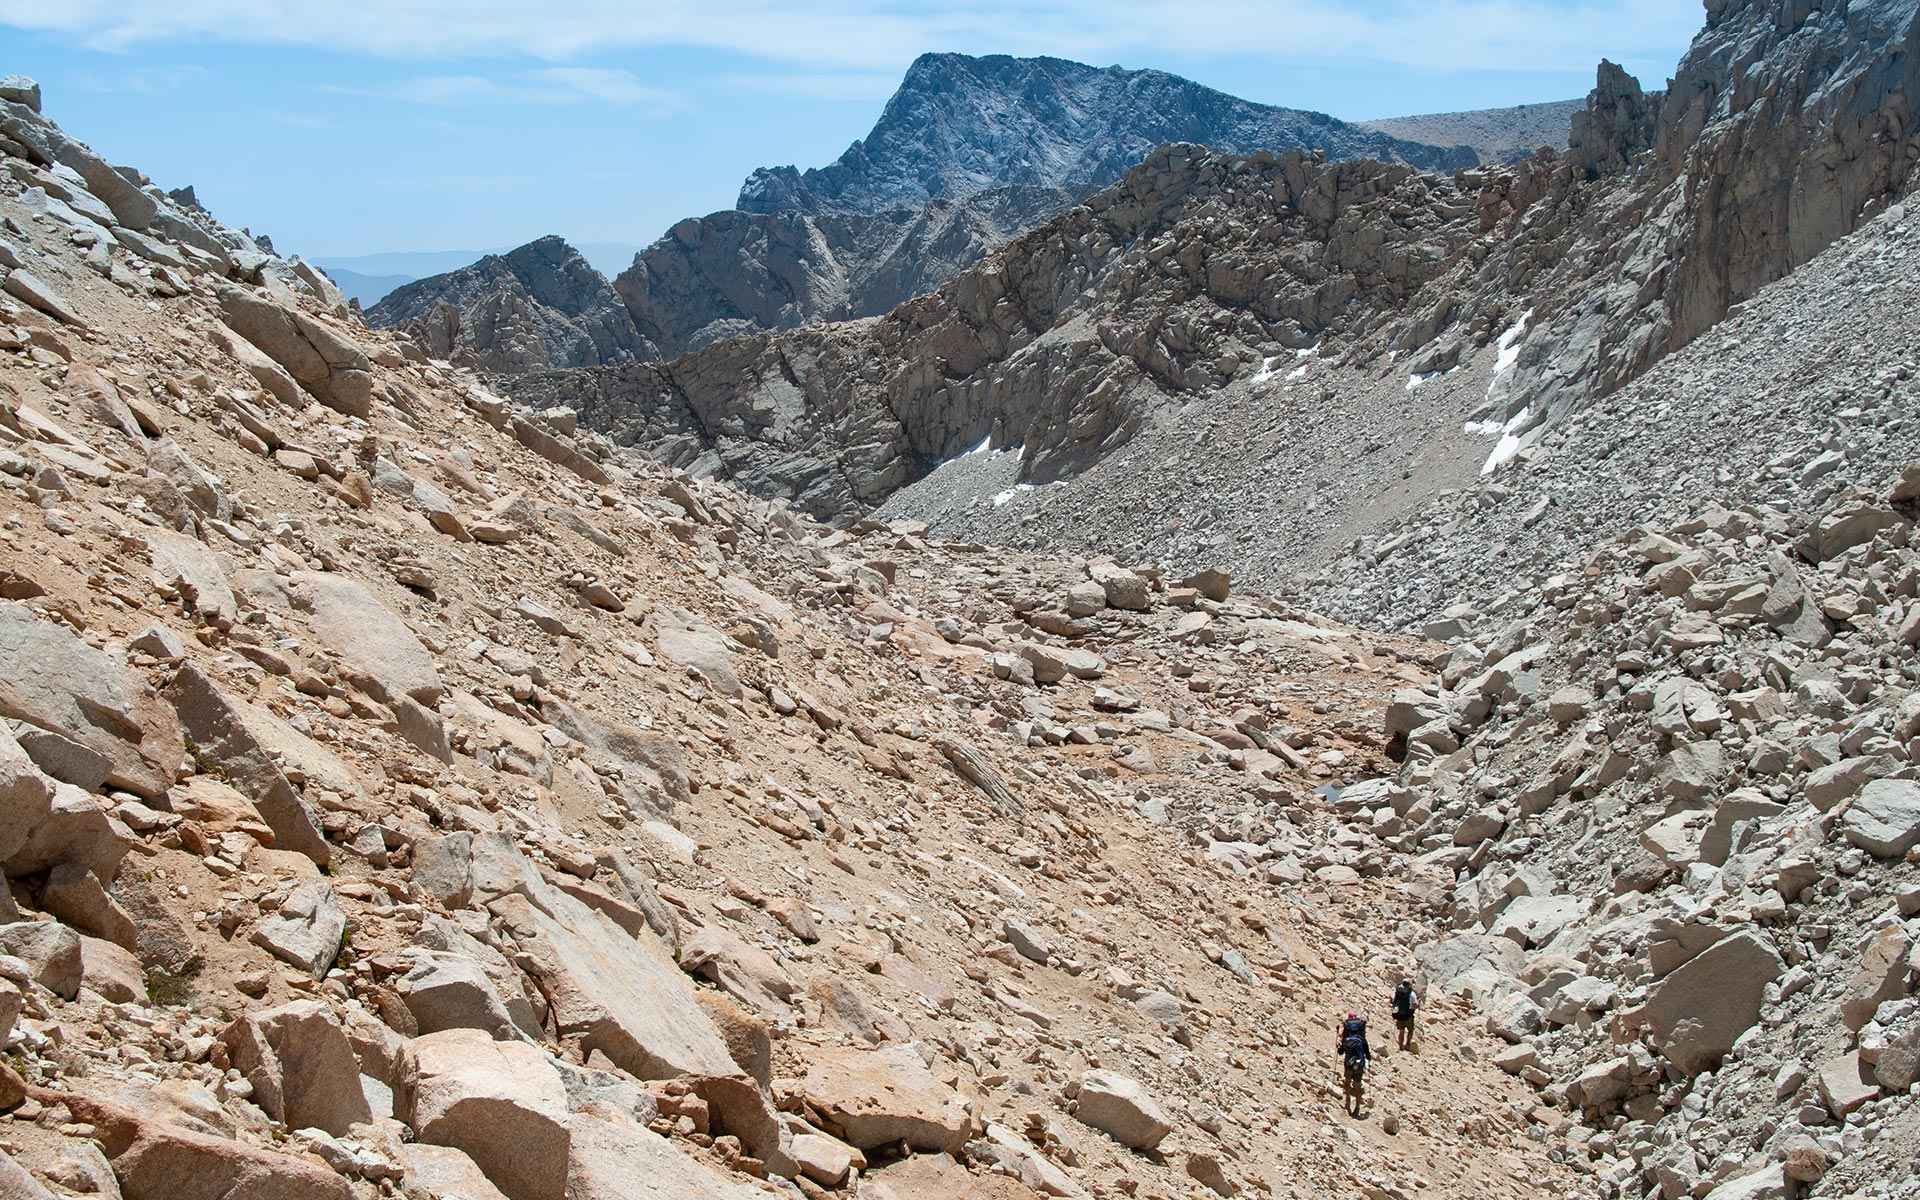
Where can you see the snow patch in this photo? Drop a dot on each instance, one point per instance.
(1511, 439)
(1002, 497)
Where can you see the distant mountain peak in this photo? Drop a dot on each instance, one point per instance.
(959, 125)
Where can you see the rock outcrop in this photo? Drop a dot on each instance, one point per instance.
(541, 305)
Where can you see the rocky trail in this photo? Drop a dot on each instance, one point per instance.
(407, 790)
(410, 794)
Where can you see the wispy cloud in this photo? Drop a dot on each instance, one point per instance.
(881, 35)
(553, 85)
(820, 85)
(141, 80)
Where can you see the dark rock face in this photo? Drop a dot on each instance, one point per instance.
(1056, 343)
(735, 273)
(538, 306)
(961, 125)
(968, 154)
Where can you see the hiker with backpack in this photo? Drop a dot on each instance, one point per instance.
(1405, 1001)
(1354, 1056)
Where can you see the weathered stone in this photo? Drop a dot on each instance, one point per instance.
(75, 828)
(1882, 976)
(743, 971)
(162, 1160)
(305, 931)
(1884, 818)
(186, 565)
(240, 741)
(613, 1158)
(1120, 1108)
(875, 1097)
(1700, 1010)
(302, 1069)
(1846, 1084)
(447, 1174)
(698, 646)
(329, 366)
(373, 645)
(51, 679)
(50, 950)
(447, 991)
(500, 1103)
(935, 1177)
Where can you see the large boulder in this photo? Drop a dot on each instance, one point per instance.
(616, 991)
(301, 1066)
(306, 930)
(1700, 1010)
(162, 1160)
(875, 1097)
(1884, 818)
(232, 736)
(328, 365)
(614, 1158)
(501, 1103)
(1846, 1084)
(1882, 976)
(449, 991)
(375, 648)
(1120, 1108)
(52, 680)
(51, 952)
(445, 1172)
(936, 1177)
(24, 794)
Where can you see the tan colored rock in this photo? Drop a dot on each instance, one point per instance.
(111, 972)
(745, 972)
(305, 931)
(614, 1158)
(500, 1103)
(374, 646)
(447, 1174)
(302, 1068)
(329, 366)
(1120, 1108)
(874, 1097)
(51, 679)
(50, 950)
(237, 739)
(937, 1177)
(1699, 1011)
(1846, 1084)
(160, 1160)
(1882, 976)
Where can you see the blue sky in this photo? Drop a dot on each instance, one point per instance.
(357, 126)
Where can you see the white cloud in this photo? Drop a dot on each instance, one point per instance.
(820, 85)
(880, 35)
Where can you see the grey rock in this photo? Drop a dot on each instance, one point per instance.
(51, 679)
(1884, 818)
(306, 930)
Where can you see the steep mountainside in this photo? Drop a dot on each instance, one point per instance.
(538, 306)
(1784, 129)
(1060, 345)
(960, 125)
(968, 154)
(736, 273)
(408, 794)
(1496, 135)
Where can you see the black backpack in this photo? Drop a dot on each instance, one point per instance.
(1353, 1044)
(1403, 1002)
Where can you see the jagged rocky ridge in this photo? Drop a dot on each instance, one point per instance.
(987, 874)
(961, 125)
(969, 153)
(541, 305)
(1783, 130)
